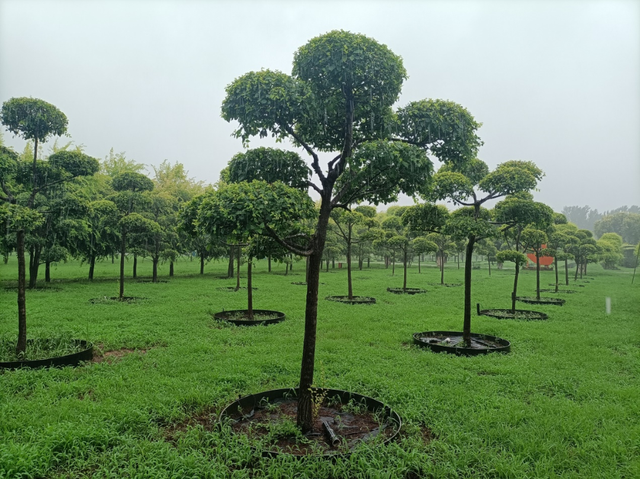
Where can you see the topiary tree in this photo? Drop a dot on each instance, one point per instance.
(36, 120)
(463, 185)
(339, 99)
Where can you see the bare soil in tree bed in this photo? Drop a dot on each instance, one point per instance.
(269, 420)
(534, 300)
(406, 290)
(451, 342)
(240, 317)
(517, 314)
(354, 300)
(151, 281)
(116, 299)
(300, 283)
(46, 352)
(446, 285)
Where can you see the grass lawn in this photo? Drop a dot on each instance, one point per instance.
(564, 403)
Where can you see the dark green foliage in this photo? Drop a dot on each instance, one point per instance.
(33, 119)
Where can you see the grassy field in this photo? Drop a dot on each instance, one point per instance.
(564, 403)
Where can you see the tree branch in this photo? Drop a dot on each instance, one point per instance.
(286, 245)
(315, 164)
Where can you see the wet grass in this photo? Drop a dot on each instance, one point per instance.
(563, 403)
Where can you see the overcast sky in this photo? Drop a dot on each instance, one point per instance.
(554, 82)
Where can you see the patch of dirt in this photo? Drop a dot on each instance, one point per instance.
(114, 355)
(354, 300)
(274, 426)
(208, 418)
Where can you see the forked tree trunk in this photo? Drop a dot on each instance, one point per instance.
(34, 266)
(466, 330)
(21, 346)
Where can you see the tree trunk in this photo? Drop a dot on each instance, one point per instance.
(577, 268)
(404, 282)
(488, 261)
(538, 274)
(135, 265)
(349, 282)
(249, 290)
(566, 272)
(231, 268)
(47, 272)
(393, 265)
(238, 275)
(466, 331)
(34, 266)
(21, 346)
(154, 274)
(122, 252)
(202, 262)
(92, 266)
(515, 288)
(269, 263)
(171, 269)
(442, 272)
(555, 266)
(304, 417)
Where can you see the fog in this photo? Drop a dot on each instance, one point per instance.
(556, 83)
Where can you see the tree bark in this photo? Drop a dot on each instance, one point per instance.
(555, 266)
(202, 263)
(34, 265)
(47, 272)
(21, 346)
(466, 331)
(171, 269)
(231, 268)
(154, 274)
(566, 272)
(538, 274)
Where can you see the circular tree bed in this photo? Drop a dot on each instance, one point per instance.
(406, 290)
(343, 420)
(534, 300)
(446, 285)
(517, 314)
(43, 353)
(240, 317)
(353, 300)
(451, 342)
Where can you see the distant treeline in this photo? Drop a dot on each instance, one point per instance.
(624, 221)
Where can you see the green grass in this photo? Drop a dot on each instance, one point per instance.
(564, 403)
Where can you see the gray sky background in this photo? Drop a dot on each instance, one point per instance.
(554, 82)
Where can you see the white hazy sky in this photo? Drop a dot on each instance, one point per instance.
(554, 82)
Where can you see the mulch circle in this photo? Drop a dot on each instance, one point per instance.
(269, 418)
(517, 314)
(406, 290)
(451, 342)
(534, 300)
(116, 299)
(151, 281)
(447, 285)
(73, 359)
(354, 300)
(239, 317)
